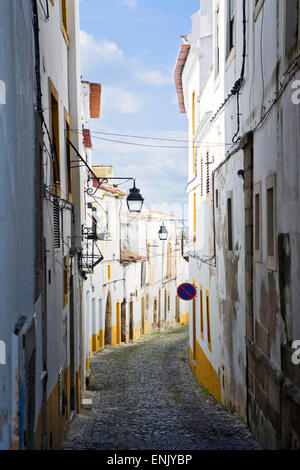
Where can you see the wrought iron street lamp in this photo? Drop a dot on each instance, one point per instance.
(163, 232)
(134, 199)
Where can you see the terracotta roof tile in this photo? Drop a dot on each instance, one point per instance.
(181, 59)
(95, 99)
(130, 257)
(109, 189)
(87, 138)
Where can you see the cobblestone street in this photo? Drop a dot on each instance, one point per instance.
(145, 396)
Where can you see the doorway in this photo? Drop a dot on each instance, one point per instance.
(159, 308)
(143, 316)
(155, 313)
(108, 320)
(194, 329)
(118, 322)
(131, 320)
(177, 309)
(94, 335)
(123, 321)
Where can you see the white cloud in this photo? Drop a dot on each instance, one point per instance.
(93, 52)
(160, 172)
(130, 3)
(154, 78)
(120, 101)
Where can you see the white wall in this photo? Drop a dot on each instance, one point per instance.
(17, 136)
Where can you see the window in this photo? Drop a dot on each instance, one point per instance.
(194, 158)
(208, 320)
(217, 198)
(194, 326)
(64, 19)
(270, 196)
(106, 220)
(201, 176)
(270, 221)
(56, 223)
(68, 156)
(195, 217)
(169, 254)
(201, 313)
(193, 112)
(168, 302)
(207, 172)
(108, 272)
(193, 131)
(118, 322)
(230, 26)
(229, 224)
(217, 36)
(54, 132)
(66, 281)
(257, 222)
(143, 273)
(291, 25)
(149, 253)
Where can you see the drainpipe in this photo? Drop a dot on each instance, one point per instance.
(43, 256)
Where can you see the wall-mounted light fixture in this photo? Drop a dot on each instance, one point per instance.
(163, 232)
(241, 174)
(134, 199)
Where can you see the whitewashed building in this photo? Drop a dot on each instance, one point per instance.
(236, 78)
(131, 288)
(19, 286)
(40, 102)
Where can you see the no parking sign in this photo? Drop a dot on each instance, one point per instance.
(186, 291)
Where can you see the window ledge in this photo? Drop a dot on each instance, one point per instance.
(230, 58)
(217, 81)
(258, 8)
(271, 263)
(65, 34)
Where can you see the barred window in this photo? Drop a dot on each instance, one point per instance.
(56, 223)
(207, 172)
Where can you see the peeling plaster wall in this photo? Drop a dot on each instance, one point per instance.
(230, 275)
(59, 62)
(272, 402)
(17, 198)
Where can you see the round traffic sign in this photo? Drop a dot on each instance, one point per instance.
(186, 291)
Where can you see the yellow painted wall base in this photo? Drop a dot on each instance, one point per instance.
(87, 363)
(57, 423)
(101, 338)
(78, 391)
(96, 342)
(137, 333)
(147, 327)
(205, 372)
(113, 336)
(54, 421)
(184, 318)
(39, 431)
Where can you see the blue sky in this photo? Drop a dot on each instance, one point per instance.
(130, 47)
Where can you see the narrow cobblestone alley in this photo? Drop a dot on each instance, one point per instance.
(146, 397)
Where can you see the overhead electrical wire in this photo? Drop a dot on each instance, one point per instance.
(202, 144)
(139, 136)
